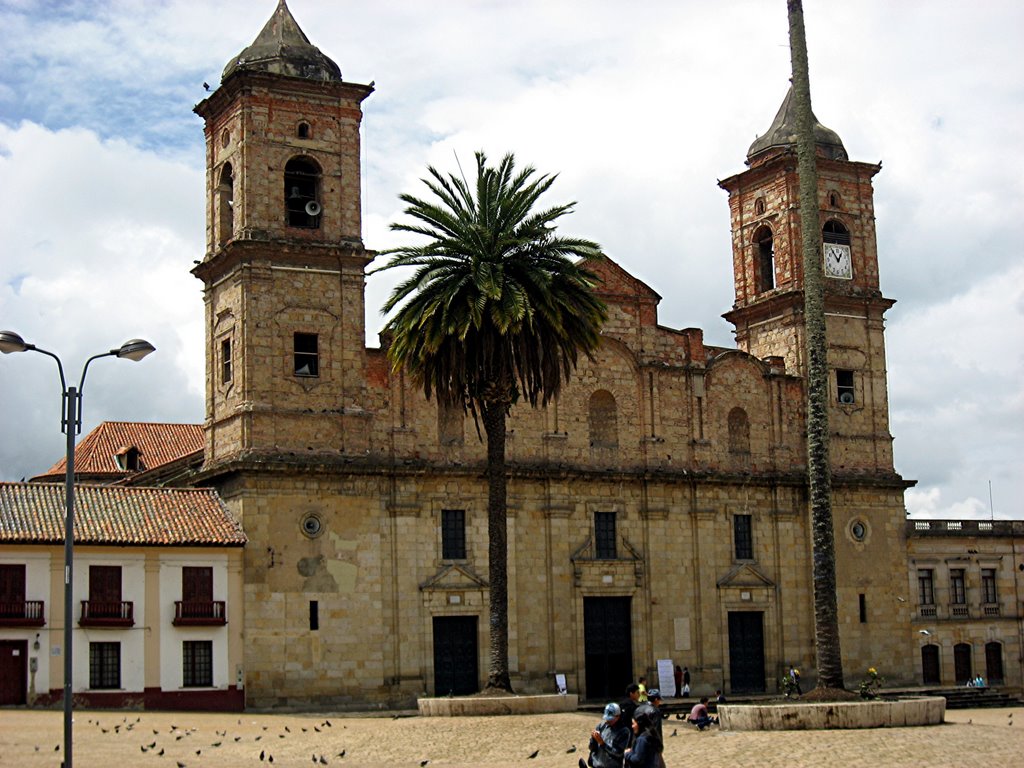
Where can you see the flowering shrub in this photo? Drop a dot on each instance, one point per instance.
(871, 685)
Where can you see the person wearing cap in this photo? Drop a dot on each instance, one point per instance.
(652, 709)
(609, 740)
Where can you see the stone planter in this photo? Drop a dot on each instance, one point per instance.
(456, 706)
(879, 713)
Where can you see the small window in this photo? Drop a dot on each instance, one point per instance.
(925, 587)
(833, 199)
(957, 591)
(988, 585)
(314, 615)
(225, 361)
(197, 663)
(453, 534)
(104, 666)
(765, 250)
(303, 130)
(863, 604)
(844, 387)
(759, 206)
(859, 530)
(307, 354)
(743, 537)
(604, 535)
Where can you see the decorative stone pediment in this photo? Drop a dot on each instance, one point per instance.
(453, 577)
(746, 575)
(590, 570)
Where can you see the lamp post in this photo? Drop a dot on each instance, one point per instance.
(71, 425)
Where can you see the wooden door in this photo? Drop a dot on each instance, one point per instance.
(746, 651)
(13, 672)
(608, 644)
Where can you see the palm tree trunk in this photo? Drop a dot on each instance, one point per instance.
(493, 415)
(819, 473)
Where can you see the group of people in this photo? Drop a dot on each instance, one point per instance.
(629, 734)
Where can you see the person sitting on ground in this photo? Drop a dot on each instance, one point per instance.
(699, 714)
(608, 741)
(646, 750)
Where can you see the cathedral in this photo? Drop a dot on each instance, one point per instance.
(658, 509)
(320, 540)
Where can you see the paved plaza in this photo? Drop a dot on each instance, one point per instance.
(117, 739)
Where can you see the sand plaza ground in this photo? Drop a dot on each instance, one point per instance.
(107, 738)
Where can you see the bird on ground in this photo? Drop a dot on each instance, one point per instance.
(570, 750)
(328, 723)
(323, 760)
(423, 763)
(674, 732)
(181, 764)
(342, 753)
(262, 755)
(160, 753)
(536, 752)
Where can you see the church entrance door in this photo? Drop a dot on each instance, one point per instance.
(746, 651)
(608, 647)
(455, 656)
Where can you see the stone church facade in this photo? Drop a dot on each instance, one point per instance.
(657, 510)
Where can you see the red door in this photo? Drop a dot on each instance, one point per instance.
(13, 671)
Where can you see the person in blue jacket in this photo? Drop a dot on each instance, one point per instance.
(646, 750)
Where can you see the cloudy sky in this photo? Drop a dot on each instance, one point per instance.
(639, 106)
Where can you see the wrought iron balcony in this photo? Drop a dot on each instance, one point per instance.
(107, 613)
(21, 613)
(194, 613)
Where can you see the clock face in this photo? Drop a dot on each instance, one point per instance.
(837, 261)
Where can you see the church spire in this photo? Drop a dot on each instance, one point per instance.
(282, 48)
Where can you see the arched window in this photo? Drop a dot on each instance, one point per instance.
(450, 424)
(834, 200)
(835, 232)
(603, 420)
(302, 131)
(302, 193)
(739, 431)
(765, 259)
(759, 206)
(225, 202)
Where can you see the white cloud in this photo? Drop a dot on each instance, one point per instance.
(639, 107)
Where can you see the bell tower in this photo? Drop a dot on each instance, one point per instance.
(283, 272)
(768, 281)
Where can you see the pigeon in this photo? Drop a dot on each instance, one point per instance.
(536, 752)
(181, 764)
(270, 759)
(160, 753)
(675, 731)
(328, 723)
(342, 753)
(262, 755)
(143, 748)
(570, 750)
(288, 729)
(323, 760)
(423, 763)
(258, 738)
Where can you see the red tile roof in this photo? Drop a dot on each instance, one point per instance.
(33, 513)
(157, 444)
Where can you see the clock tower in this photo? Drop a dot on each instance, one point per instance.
(284, 266)
(768, 281)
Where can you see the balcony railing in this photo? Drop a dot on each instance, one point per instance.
(991, 609)
(107, 613)
(926, 611)
(199, 613)
(21, 613)
(959, 611)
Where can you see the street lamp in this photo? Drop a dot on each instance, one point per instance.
(71, 425)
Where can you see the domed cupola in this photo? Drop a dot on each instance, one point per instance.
(282, 48)
(781, 136)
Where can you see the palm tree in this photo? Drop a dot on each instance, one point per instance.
(819, 473)
(497, 310)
